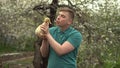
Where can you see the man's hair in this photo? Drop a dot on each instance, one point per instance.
(68, 9)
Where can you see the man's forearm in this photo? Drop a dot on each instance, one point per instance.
(66, 47)
(55, 45)
(44, 49)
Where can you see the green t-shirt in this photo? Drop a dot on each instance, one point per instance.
(68, 60)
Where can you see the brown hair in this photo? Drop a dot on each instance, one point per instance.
(68, 9)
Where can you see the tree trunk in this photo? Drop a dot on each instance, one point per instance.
(1, 63)
(37, 55)
(39, 61)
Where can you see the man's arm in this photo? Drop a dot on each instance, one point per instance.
(44, 49)
(66, 47)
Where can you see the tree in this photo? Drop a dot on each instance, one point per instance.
(39, 61)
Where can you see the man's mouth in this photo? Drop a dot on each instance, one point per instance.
(57, 21)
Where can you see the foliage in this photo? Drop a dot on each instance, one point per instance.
(102, 51)
(18, 22)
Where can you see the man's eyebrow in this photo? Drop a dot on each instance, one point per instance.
(62, 15)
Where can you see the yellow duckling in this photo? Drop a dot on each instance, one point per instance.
(38, 30)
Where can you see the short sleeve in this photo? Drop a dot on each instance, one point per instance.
(75, 39)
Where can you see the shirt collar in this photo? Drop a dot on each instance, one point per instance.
(66, 31)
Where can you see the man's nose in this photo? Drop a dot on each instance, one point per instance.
(58, 17)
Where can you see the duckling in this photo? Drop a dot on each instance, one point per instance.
(38, 30)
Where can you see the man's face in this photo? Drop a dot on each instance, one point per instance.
(63, 19)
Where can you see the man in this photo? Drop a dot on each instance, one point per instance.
(61, 42)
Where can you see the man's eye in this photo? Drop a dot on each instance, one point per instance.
(62, 16)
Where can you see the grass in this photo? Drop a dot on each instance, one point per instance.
(5, 49)
(20, 63)
(9, 49)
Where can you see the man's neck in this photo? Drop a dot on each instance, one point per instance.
(64, 28)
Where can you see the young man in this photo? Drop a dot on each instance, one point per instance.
(61, 42)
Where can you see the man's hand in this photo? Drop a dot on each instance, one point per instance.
(45, 28)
